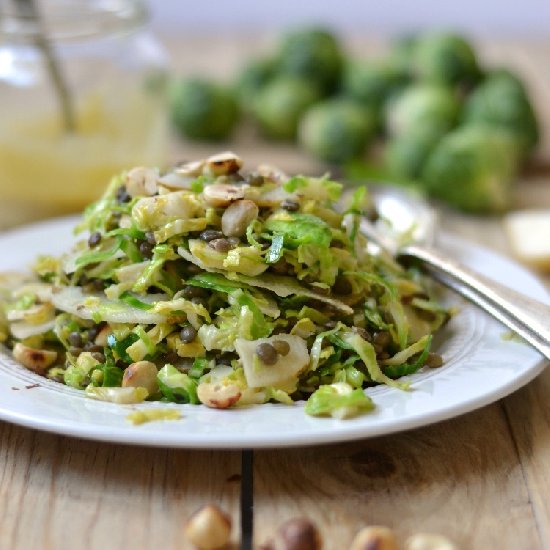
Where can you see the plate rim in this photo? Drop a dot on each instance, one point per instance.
(132, 435)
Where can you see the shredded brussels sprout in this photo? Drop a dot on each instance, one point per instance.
(240, 288)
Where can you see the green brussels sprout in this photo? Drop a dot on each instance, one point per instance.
(472, 168)
(401, 54)
(505, 74)
(422, 105)
(446, 58)
(203, 110)
(501, 101)
(371, 83)
(405, 156)
(337, 129)
(313, 54)
(252, 79)
(280, 104)
(339, 400)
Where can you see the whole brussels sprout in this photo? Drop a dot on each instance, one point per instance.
(405, 156)
(203, 110)
(446, 58)
(502, 73)
(280, 104)
(501, 101)
(422, 105)
(337, 129)
(472, 168)
(371, 83)
(252, 79)
(401, 54)
(313, 54)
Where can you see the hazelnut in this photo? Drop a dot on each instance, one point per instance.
(221, 195)
(37, 360)
(296, 534)
(141, 374)
(374, 537)
(237, 216)
(208, 528)
(218, 396)
(191, 169)
(141, 181)
(101, 338)
(223, 163)
(428, 541)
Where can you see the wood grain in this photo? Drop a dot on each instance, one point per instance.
(528, 413)
(67, 494)
(460, 478)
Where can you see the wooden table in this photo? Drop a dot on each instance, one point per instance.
(482, 479)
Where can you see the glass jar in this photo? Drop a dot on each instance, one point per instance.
(82, 87)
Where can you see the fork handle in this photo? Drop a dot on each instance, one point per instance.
(526, 316)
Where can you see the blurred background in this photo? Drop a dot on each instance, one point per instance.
(449, 99)
(487, 19)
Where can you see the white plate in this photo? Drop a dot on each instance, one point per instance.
(480, 367)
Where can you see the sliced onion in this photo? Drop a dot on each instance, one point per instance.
(12, 280)
(122, 396)
(286, 286)
(24, 330)
(284, 372)
(86, 306)
(282, 286)
(274, 197)
(173, 180)
(43, 291)
(186, 255)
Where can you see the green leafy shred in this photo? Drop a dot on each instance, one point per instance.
(298, 229)
(338, 400)
(283, 304)
(366, 352)
(101, 255)
(404, 369)
(119, 347)
(131, 300)
(275, 251)
(176, 386)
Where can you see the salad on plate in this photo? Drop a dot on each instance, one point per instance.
(210, 285)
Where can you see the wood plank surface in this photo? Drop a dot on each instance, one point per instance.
(60, 493)
(460, 478)
(528, 412)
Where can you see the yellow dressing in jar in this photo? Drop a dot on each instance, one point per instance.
(115, 73)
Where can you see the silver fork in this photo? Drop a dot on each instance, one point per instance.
(527, 317)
